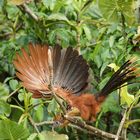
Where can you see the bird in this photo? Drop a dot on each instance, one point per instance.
(44, 70)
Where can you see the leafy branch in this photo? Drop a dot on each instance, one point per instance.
(25, 9)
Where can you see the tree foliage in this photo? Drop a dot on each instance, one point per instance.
(105, 32)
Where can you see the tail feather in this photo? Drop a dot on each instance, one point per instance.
(70, 67)
(127, 72)
(56, 54)
(66, 67)
(77, 71)
(61, 67)
(21, 66)
(73, 67)
(43, 69)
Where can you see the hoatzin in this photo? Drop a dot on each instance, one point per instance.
(44, 70)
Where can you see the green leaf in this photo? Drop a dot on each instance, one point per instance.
(111, 41)
(57, 16)
(32, 136)
(49, 3)
(114, 66)
(13, 84)
(21, 94)
(87, 32)
(132, 136)
(129, 15)
(109, 9)
(103, 82)
(52, 136)
(103, 68)
(4, 108)
(4, 91)
(53, 106)
(112, 10)
(126, 98)
(12, 131)
(111, 104)
(39, 113)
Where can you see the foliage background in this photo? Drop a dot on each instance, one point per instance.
(104, 31)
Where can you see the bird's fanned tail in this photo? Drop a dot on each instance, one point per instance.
(44, 68)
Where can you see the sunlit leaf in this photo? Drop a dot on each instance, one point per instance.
(109, 9)
(19, 2)
(113, 66)
(52, 136)
(32, 136)
(126, 98)
(129, 15)
(136, 38)
(112, 9)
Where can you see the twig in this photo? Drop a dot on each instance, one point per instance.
(130, 122)
(25, 8)
(33, 124)
(59, 102)
(81, 129)
(45, 123)
(84, 126)
(13, 92)
(91, 129)
(35, 105)
(121, 125)
(23, 116)
(17, 107)
(124, 130)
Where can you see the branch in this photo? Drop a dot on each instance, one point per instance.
(35, 105)
(17, 107)
(83, 126)
(33, 124)
(91, 130)
(130, 122)
(45, 123)
(15, 91)
(25, 8)
(81, 129)
(121, 125)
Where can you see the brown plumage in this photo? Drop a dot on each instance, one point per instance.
(46, 70)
